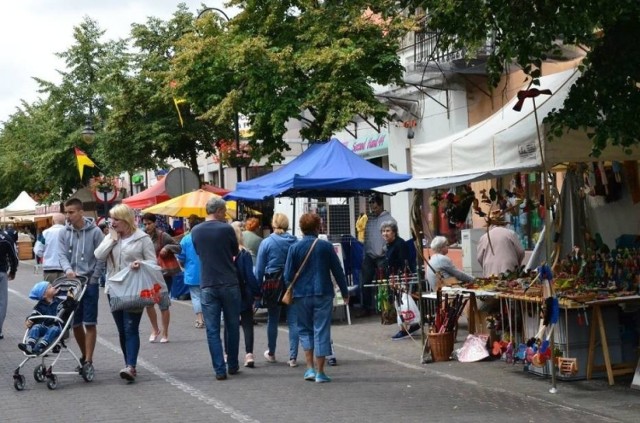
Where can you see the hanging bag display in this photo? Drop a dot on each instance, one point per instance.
(133, 289)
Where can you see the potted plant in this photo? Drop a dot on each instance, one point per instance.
(233, 155)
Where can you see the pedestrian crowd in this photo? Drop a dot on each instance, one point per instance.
(230, 271)
(224, 267)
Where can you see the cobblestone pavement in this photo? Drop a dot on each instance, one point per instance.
(376, 380)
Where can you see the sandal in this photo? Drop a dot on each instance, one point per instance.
(199, 325)
(154, 336)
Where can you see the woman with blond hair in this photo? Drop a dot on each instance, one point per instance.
(126, 245)
(270, 260)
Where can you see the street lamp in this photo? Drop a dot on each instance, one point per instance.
(88, 134)
(236, 122)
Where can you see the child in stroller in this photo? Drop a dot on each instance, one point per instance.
(43, 332)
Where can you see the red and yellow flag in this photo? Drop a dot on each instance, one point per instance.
(83, 160)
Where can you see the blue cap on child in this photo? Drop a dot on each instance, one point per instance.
(38, 290)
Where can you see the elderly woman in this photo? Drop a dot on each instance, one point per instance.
(397, 257)
(313, 293)
(395, 249)
(443, 264)
(126, 246)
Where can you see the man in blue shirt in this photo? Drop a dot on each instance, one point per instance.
(217, 246)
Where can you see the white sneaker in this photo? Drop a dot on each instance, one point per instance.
(249, 360)
(270, 358)
(293, 362)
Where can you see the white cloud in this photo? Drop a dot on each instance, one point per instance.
(32, 31)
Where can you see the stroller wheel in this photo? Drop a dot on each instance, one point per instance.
(39, 373)
(19, 382)
(52, 383)
(87, 372)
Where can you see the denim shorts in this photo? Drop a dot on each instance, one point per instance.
(87, 311)
(165, 301)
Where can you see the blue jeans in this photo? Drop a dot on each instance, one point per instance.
(194, 291)
(128, 324)
(226, 301)
(294, 336)
(47, 333)
(273, 318)
(314, 323)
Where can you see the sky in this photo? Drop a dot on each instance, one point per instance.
(32, 31)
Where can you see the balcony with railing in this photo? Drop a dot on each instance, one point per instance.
(424, 57)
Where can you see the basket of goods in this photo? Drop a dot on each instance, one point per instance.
(444, 324)
(441, 345)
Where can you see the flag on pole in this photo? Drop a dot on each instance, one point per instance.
(83, 160)
(178, 102)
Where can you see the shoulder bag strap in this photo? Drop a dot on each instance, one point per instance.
(295, 278)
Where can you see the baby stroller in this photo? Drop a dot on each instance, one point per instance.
(74, 287)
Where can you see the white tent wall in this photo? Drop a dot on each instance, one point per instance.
(613, 219)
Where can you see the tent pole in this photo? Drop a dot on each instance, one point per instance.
(548, 239)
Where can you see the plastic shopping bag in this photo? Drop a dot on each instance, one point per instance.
(408, 312)
(131, 289)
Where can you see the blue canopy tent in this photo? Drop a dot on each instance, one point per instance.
(323, 170)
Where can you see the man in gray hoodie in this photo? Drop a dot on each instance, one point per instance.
(77, 243)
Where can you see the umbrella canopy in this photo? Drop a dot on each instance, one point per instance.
(192, 203)
(153, 195)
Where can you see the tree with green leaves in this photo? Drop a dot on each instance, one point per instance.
(45, 133)
(280, 60)
(605, 100)
(144, 127)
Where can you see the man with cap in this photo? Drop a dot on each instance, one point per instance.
(8, 269)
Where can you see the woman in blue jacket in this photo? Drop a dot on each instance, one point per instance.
(313, 293)
(191, 263)
(270, 260)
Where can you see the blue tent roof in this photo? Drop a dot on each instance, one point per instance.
(323, 170)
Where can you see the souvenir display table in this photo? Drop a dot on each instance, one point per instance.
(571, 334)
(599, 329)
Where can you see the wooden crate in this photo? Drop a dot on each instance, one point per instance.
(25, 250)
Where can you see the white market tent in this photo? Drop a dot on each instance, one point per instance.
(504, 143)
(23, 205)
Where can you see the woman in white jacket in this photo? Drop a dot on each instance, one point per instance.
(126, 246)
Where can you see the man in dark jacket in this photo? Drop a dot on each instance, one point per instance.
(216, 244)
(8, 269)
